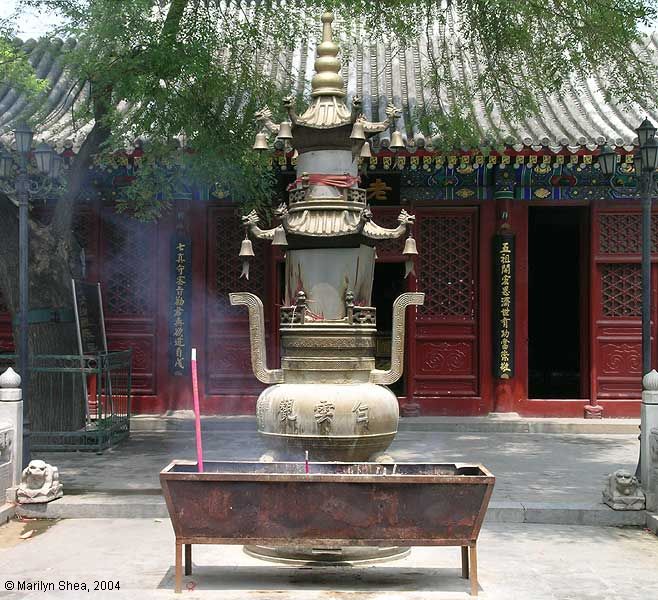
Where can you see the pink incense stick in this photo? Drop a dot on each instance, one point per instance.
(197, 412)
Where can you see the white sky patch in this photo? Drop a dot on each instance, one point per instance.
(32, 24)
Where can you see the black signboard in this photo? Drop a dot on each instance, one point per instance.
(89, 317)
(180, 305)
(503, 305)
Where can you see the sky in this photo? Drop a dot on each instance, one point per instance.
(32, 25)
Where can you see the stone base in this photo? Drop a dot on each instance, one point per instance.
(627, 503)
(504, 416)
(345, 555)
(12, 496)
(593, 411)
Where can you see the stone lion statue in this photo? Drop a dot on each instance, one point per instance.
(623, 491)
(39, 483)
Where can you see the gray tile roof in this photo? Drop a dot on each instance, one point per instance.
(378, 74)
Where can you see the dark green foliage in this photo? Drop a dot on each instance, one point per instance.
(192, 69)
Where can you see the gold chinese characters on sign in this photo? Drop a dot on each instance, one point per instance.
(503, 307)
(180, 307)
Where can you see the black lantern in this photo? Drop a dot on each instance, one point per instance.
(56, 167)
(645, 132)
(637, 162)
(6, 163)
(607, 160)
(23, 135)
(649, 153)
(43, 154)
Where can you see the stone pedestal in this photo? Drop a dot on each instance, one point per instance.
(649, 439)
(11, 429)
(651, 481)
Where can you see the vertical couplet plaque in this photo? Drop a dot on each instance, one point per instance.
(180, 305)
(504, 259)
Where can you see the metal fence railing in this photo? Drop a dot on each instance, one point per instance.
(78, 402)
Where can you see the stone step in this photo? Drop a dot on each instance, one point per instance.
(138, 506)
(507, 423)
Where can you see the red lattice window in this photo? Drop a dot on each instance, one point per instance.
(229, 234)
(621, 289)
(128, 265)
(446, 273)
(621, 233)
(82, 228)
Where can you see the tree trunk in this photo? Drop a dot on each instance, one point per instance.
(55, 402)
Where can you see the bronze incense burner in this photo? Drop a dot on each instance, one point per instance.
(327, 398)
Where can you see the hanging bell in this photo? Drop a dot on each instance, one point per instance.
(397, 143)
(261, 142)
(358, 134)
(246, 249)
(285, 131)
(365, 151)
(410, 247)
(280, 237)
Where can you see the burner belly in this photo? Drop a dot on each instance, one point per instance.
(332, 421)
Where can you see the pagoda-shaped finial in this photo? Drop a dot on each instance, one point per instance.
(327, 80)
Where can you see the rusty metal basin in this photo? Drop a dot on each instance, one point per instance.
(348, 504)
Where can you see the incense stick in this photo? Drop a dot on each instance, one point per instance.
(197, 413)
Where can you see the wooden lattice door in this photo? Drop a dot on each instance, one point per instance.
(227, 327)
(617, 304)
(127, 270)
(446, 327)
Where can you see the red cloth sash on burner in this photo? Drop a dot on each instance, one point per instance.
(332, 179)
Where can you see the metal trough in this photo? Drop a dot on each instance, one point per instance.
(334, 504)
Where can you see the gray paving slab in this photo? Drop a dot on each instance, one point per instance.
(546, 468)
(516, 562)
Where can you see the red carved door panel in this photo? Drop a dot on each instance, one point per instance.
(446, 327)
(617, 303)
(128, 272)
(227, 327)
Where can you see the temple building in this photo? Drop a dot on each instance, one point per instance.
(529, 257)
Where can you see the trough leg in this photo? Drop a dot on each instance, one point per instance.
(474, 570)
(188, 559)
(178, 577)
(465, 562)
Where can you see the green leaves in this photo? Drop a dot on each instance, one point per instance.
(194, 69)
(15, 68)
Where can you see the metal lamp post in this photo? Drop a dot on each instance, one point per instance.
(645, 163)
(45, 159)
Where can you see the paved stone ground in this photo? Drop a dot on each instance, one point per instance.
(546, 468)
(517, 562)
